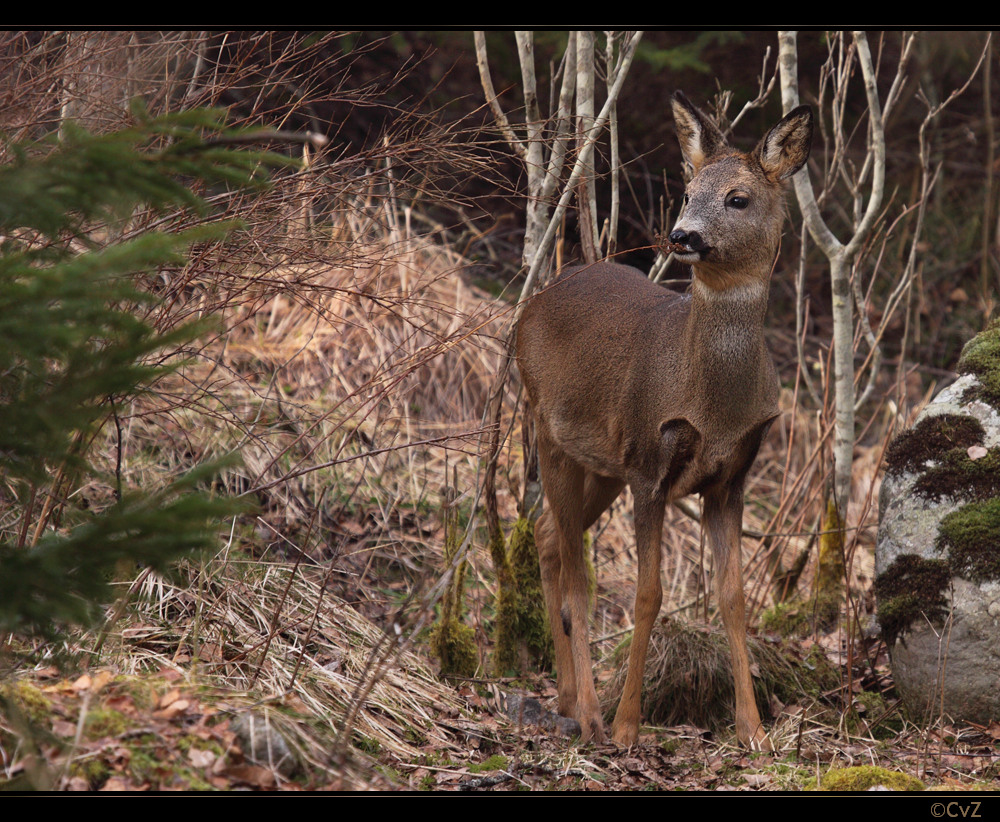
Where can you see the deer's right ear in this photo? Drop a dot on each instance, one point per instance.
(699, 137)
(785, 148)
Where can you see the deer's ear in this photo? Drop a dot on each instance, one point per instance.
(699, 137)
(785, 148)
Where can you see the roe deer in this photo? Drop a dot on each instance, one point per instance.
(671, 394)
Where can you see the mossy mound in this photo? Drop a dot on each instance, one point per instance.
(929, 439)
(26, 699)
(910, 588)
(864, 777)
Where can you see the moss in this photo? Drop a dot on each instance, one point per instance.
(93, 769)
(786, 619)
(366, 744)
(929, 439)
(971, 536)
(981, 357)
(958, 476)
(28, 700)
(103, 722)
(822, 676)
(455, 647)
(497, 762)
(909, 589)
(870, 714)
(828, 584)
(863, 777)
(532, 618)
(522, 636)
(453, 642)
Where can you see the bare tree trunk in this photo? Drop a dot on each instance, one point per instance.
(586, 190)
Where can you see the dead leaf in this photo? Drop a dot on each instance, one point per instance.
(201, 759)
(101, 679)
(60, 727)
(169, 697)
(172, 710)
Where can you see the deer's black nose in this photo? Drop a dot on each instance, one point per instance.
(692, 239)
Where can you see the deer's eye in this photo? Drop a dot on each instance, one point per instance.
(737, 201)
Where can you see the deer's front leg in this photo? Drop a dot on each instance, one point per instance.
(723, 521)
(648, 595)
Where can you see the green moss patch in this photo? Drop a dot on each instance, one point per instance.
(909, 589)
(929, 439)
(981, 357)
(522, 635)
(26, 699)
(454, 645)
(863, 777)
(971, 537)
(787, 619)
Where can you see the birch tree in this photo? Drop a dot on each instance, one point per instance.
(851, 190)
(555, 174)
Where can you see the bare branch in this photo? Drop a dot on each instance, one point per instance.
(491, 97)
(625, 61)
(789, 70)
(563, 121)
(877, 146)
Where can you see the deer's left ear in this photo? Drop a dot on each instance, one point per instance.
(785, 148)
(698, 135)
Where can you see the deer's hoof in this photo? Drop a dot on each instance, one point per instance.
(591, 729)
(625, 734)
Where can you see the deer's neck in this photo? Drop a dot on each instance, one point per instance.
(724, 341)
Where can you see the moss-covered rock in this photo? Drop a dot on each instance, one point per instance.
(956, 475)
(936, 559)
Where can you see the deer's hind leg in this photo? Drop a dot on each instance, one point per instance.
(575, 498)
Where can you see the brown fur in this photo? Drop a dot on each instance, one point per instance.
(630, 383)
